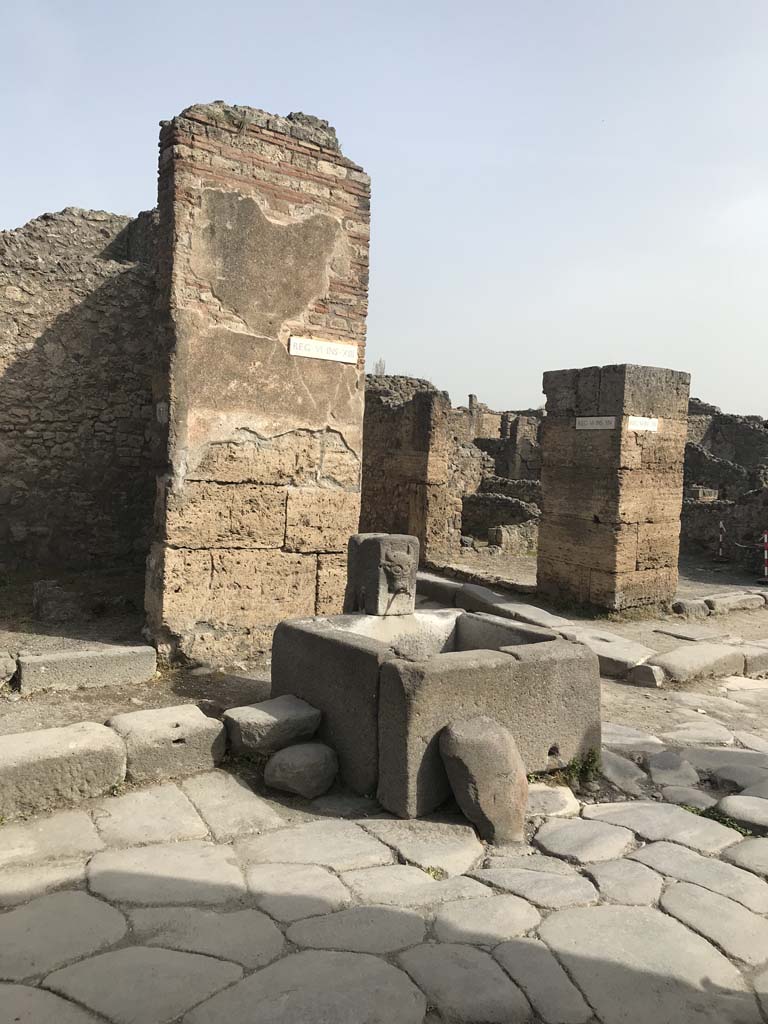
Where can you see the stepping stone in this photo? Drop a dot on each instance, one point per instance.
(229, 806)
(485, 922)
(635, 965)
(655, 821)
(66, 834)
(669, 769)
(750, 854)
(141, 985)
(289, 892)
(676, 862)
(53, 930)
(465, 984)
(451, 848)
(734, 929)
(699, 660)
(361, 930)
(271, 725)
(173, 873)
(551, 801)
(532, 861)
(622, 773)
(545, 890)
(582, 841)
(553, 996)
(750, 811)
(340, 845)
(159, 814)
(688, 796)
(400, 885)
(19, 885)
(739, 776)
(246, 937)
(22, 1005)
(620, 737)
(624, 881)
(314, 986)
(308, 769)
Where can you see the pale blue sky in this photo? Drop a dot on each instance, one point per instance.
(554, 183)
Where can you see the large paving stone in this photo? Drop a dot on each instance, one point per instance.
(155, 815)
(761, 989)
(617, 656)
(340, 845)
(465, 984)
(165, 743)
(139, 986)
(637, 966)
(757, 789)
(710, 759)
(751, 811)
(307, 769)
(751, 740)
(54, 930)
(530, 860)
(699, 660)
(688, 796)
(266, 727)
(551, 801)
(245, 937)
(452, 848)
(623, 881)
(736, 930)
(315, 986)
(583, 841)
(69, 670)
(361, 930)
(656, 821)
(52, 766)
(552, 891)
(486, 921)
(552, 994)
(694, 733)
(750, 854)
(622, 773)
(669, 768)
(172, 873)
(20, 1004)
(686, 866)
(739, 776)
(66, 834)
(229, 806)
(623, 738)
(18, 885)
(400, 885)
(290, 892)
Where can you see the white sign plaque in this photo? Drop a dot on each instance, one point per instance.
(642, 423)
(316, 348)
(595, 422)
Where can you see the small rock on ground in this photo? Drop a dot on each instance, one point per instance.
(308, 769)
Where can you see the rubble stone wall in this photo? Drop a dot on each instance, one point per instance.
(745, 520)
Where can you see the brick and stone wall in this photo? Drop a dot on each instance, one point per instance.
(264, 228)
(76, 345)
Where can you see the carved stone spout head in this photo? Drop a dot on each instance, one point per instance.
(381, 574)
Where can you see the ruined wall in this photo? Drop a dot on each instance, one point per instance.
(264, 229)
(742, 440)
(76, 347)
(745, 520)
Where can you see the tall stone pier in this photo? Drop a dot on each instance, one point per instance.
(264, 229)
(612, 484)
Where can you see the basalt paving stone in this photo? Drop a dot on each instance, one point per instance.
(688, 796)
(465, 984)
(659, 821)
(669, 768)
(340, 845)
(698, 732)
(20, 1004)
(451, 848)
(246, 937)
(583, 841)
(531, 861)
(757, 789)
(229, 806)
(623, 738)
(54, 930)
(635, 965)
(624, 881)
(361, 930)
(533, 967)
(750, 811)
(551, 801)
(709, 759)
(750, 854)
(66, 834)
(401, 885)
(752, 741)
(622, 773)
(289, 892)
(545, 890)
(485, 922)
(171, 873)
(18, 885)
(686, 866)
(729, 925)
(739, 776)
(158, 814)
(143, 986)
(761, 989)
(318, 987)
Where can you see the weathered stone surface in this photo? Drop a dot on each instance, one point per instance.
(450, 847)
(481, 599)
(751, 741)
(437, 588)
(19, 885)
(66, 670)
(50, 766)
(289, 892)
(229, 806)
(750, 854)
(553, 996)
(531, 860)
(381, 570)
(551, 801)
(245, 937)
(739, 776)
(361, 930)
(486, 921)
(699, 660)
(669, 768)
(54, 930)
(637, 965)
(624, 881)
(266, 727)
(401, 885)
(751, 811)
(621, 737)
(761, 989)
(647, 675)
(721, 604)
(340, 845)
(623, 773)
(552, 891)
(316, 985)
(658, 821)
(136, 984)
(688, 796)
(160, 814)
(698, 732)
(710, 759)
(174, 873)
(66, 834)
(757, 789)
(320, 519)
(20, 1004)
(307, 769)
(7, 667)
(736, 930)
(168, 742)
(487, 776)
(686, 866)
(695, 608)
(582, 841)
(216, 515)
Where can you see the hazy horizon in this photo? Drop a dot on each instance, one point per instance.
(554, 185)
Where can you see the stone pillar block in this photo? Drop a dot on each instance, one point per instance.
(381, 570)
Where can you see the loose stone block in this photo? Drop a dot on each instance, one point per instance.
(160, 814)
(692, 609)
(169, 742)
(51, 766)
(721, 604)
(382, 571)
(647, 675)
(699, 660)
(552, 994)
(68, 670)
(66, 834)
(229, 806)
(270, 725)
(307, 769)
